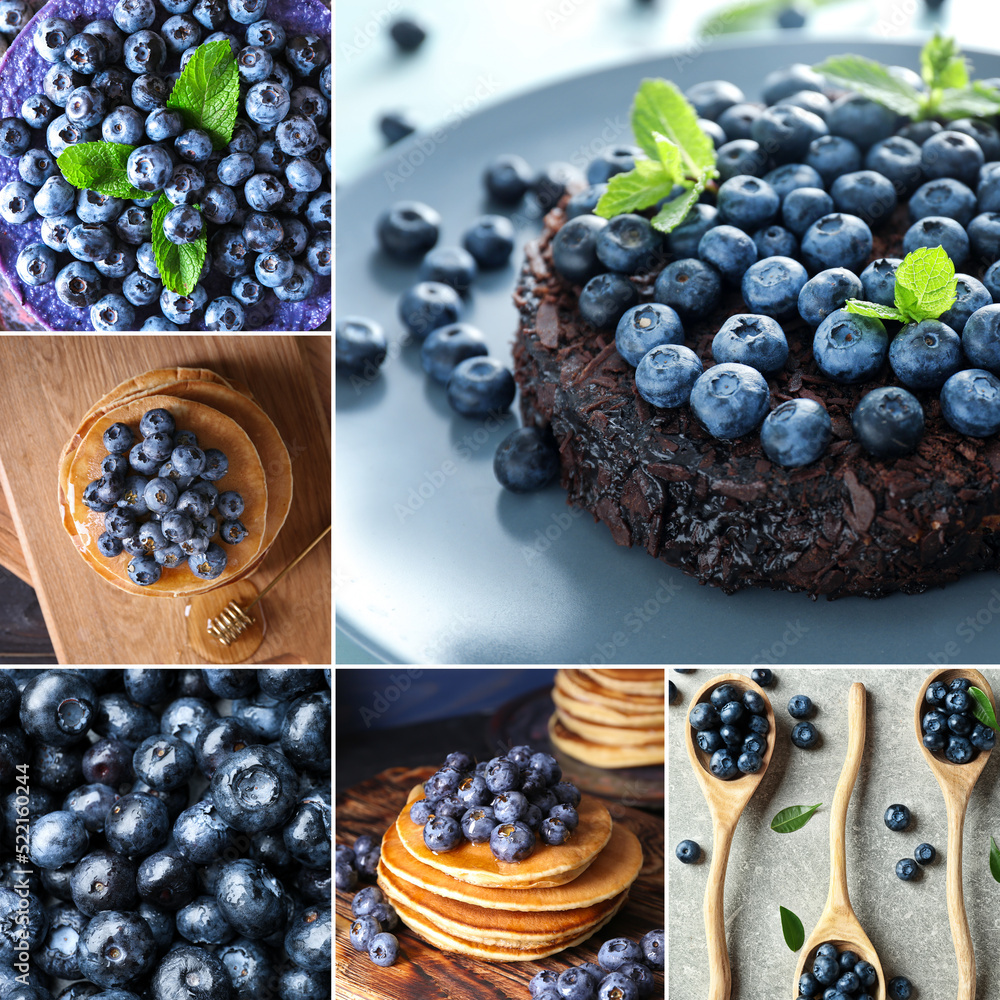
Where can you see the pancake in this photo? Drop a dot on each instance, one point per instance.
(598, 732)
(603, 715)
(600, 755)
(487, 925)
(648, 682)
(584, 688)
(215, 430)
(546, 866)
(613, 870)
(426, 930)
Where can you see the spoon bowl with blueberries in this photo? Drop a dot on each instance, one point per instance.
(957, 746)
(730, 741)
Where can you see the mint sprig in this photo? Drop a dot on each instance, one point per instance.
(792, 929)
(949, 92)
(925, 288)
(679, 154)
(208, 91)
(179, 264)
(99, 166)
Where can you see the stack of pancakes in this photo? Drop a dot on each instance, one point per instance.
(466, 901)
(224, 415)
(609, 718)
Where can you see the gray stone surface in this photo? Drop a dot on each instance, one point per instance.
(906, 921)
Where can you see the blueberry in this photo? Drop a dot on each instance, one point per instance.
(945, 197)
(924, 355)
(864, 121)
(112, 312)
(952, 154)
(729, 250)
(899, 988)
(804, 735)
(730, 400)
(970, 402)
(837, 240)
(746, 339)
(37, 111)
(827, 292)
(703, 717)
(36, 264)
(792, 176)
(879, 281)
(383, 950)
(982, 738)
(898, 159)
(772, 286)
(865, 194)
(959, 750)
(115, 948)
(800, 707)
(507, 179)
(427, 306)
(775, 241)
(574, 248)
(254, 789)
(57, 839)
(897, 817)
(804, 206)
(786, 131)
(690, 286)
(526, 460)
(907, 869)
(490, 240)
(628, 244)
(723, 764)
(51, 35)
(825, 969)
(850, 348)
(17, 202)
(971, 296)
(796, 433)
(479, 386)
(889, 422)
(938, 231)
(763, 676)
(747, 202)
(149, 167)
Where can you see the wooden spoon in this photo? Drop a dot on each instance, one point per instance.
(838, 922)
(726, 802)
(956, 781)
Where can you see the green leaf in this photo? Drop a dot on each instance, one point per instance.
(793, 818)
(875, 309)
(872, 80)
(675, 212)
(669, 155)
(208, 91)
(179, 266)
(925, 283)
(941, 64)
(99, 166)
(982, 708)
(791, 927)
(977, 100)
(659, 107)
(634, 190)
(994, 860)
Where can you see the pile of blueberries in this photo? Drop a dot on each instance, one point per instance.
(127, 875)
(109, 80)
(374, 921)
(949, 726)
(625, 972)
(804, 181)
(159, 498)
(842, 974)
(732, 728)
(897, 818)
(508, 802)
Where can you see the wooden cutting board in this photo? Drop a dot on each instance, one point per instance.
(425, 973)
(48, 383)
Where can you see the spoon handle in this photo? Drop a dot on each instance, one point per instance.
(856, 725)
(964, 953)
(719, 973)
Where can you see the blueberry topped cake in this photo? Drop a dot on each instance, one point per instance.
(765, 339)
(164, 164)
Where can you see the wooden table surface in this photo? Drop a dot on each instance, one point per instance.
(290, 377)
(424, 972)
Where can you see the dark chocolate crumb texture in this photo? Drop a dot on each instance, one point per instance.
(720, 510)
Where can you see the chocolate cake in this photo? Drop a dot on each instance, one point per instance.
(721, 510)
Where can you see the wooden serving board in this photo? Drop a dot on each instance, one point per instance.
(48, 383)
(425, 973)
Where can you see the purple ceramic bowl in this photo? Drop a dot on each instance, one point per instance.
(22, 72)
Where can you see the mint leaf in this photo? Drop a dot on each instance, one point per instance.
(791, 927)
(941, 65)
(675, 212)
(994, 860)
(635, 189)
(872, 80)
(99, 166)
(208, 91)
(977, 100)
(661, 108)
(925, 284)
(982, 708)
(862, 308)
(793, 818)
(179, 266)
(669, 155)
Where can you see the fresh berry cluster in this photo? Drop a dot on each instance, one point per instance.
(374, 921)
(733, 729)
(843, 973)
(949, 726)
(109, 81)
(508, 801)
(626, 972)
(179, 847)
(159, 500)
(359, 861)
(804, 734)
(806, 179)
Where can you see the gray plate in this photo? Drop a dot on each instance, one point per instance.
(437, 563)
